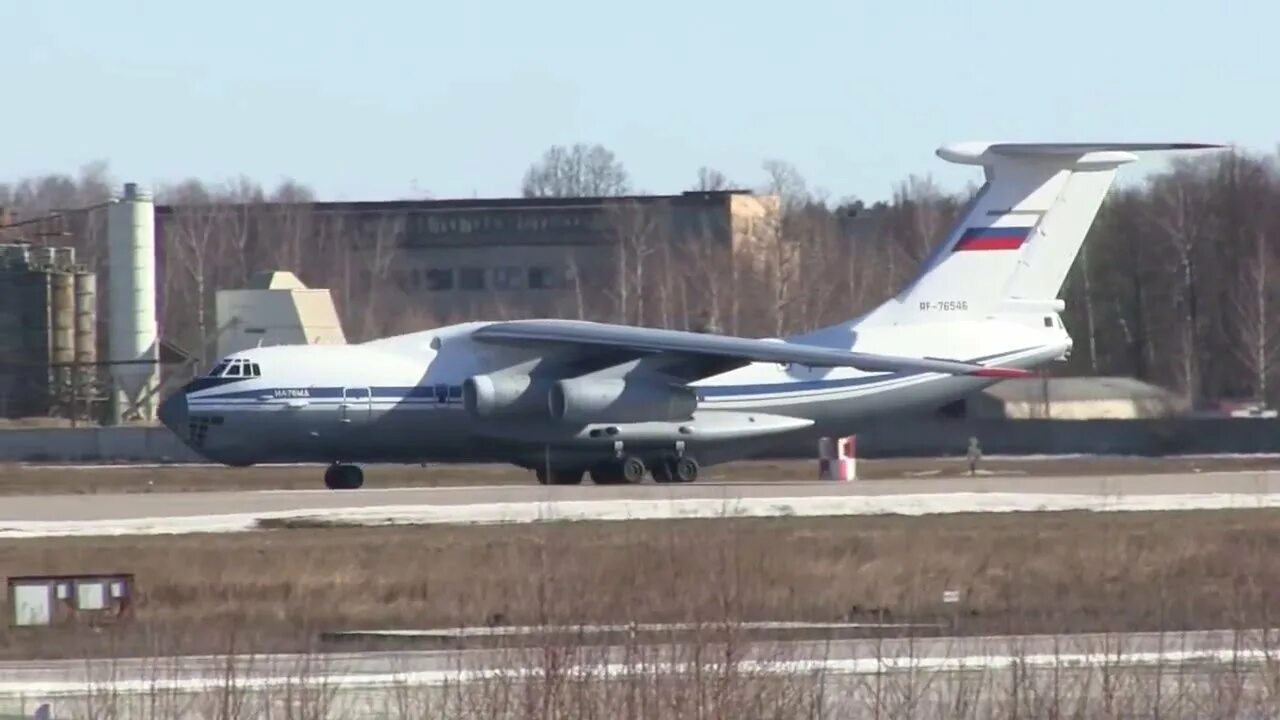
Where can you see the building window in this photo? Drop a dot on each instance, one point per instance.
(471, 278)
(507, 278)
(439, 279)
(541, 278)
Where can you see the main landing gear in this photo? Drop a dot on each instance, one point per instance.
(343, 477)
(625, 470)
(682, 469)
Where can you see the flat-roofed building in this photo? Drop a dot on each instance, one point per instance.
(529, 256)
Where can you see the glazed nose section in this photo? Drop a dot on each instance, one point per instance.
(173, 413)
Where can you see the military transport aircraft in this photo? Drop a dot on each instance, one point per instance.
(569, 398)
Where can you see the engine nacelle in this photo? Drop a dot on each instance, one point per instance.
(619, 401)
(494, 395)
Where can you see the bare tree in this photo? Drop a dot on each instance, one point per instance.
(1181, 213)
(289, 228)
(783, 239)
(639, 230)
(193, 246)
(712, 180)
(578, 171)
(919, 215)
(378, 241)
(1256, 301)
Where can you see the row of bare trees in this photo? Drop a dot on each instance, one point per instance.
(1177, 283)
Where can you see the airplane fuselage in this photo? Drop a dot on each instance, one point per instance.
(401, 399)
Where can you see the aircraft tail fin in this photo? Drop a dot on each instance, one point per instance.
(1017, 240)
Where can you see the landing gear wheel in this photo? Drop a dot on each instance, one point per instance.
(676, 470)
(605, 474)
(627, 471)
(343, 477)
(685, 469)
(559, 476)
(632, 470)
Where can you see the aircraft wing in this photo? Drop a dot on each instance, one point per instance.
(652, 341)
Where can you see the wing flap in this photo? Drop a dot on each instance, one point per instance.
(645, 341)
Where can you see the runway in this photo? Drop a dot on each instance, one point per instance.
(937, 669)
(158, 513)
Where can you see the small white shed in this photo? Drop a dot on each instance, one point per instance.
(276, 309)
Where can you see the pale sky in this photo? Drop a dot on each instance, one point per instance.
(382, 99)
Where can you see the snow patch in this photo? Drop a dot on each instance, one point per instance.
(853, 666)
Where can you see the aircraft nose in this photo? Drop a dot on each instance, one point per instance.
(173, 413)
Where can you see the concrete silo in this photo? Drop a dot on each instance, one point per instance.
(132, 333)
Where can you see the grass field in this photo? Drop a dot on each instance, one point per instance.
(53, 479)
(1069, 572)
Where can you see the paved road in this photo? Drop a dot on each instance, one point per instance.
(153, 505)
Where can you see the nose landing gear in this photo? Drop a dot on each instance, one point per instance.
(343, 477)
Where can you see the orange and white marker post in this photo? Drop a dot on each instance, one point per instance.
(837, 459)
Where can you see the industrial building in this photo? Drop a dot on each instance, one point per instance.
(48, 332)
(467, 256)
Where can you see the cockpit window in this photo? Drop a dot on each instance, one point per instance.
(236, 367)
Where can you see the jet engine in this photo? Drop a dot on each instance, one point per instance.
(492, 395)
(619, 401)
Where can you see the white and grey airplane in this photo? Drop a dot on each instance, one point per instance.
(567, 398)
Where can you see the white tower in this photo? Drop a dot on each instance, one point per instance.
(132, 336)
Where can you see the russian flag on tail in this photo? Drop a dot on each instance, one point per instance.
(992, 238)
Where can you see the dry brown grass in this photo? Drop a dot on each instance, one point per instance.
(45, 480)
(1018, 573)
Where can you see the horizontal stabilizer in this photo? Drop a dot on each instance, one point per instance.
(983, 153)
